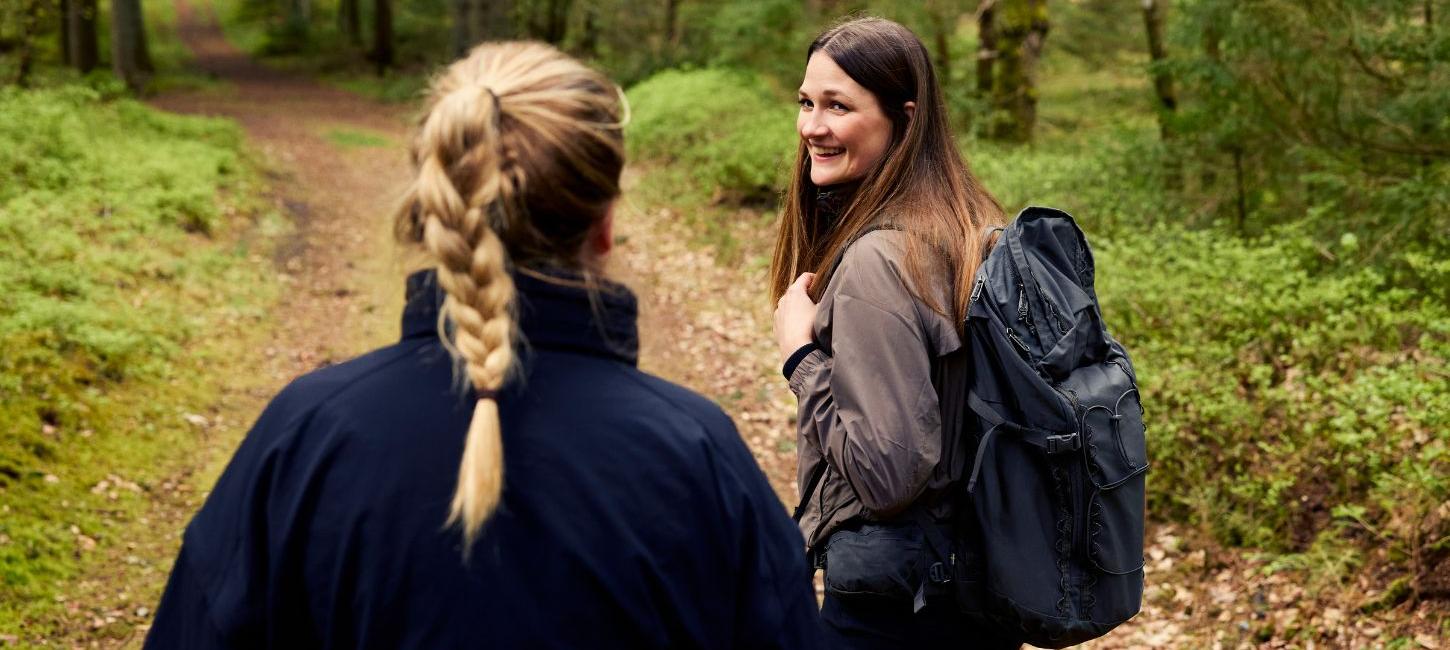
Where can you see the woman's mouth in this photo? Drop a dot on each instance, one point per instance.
(823, 154)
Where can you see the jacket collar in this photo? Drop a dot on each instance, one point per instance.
(552, 315)
(832, 200)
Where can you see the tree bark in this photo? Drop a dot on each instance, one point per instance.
(1243, 206)
(1031, 54)
(130, 57)
(943, 22)
(382, 53)
(24, 44)
(495, 20)
(552, 25)
(1023, 32)
(80, 22)
(349, 21)
(64, 31)
(672, 24)
(300, 11)
(463, 24)
(986, 46)
(589, 41)
(1158, 55)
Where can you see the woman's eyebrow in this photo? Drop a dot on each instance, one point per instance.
(827, 93)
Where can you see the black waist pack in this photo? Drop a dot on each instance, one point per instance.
(869, 560)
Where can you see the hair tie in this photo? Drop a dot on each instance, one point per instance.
(487, 393)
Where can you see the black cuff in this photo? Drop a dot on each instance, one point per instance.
(797, 356)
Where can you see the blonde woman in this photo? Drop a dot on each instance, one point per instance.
(561, 498)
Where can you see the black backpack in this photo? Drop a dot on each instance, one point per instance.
(1051, 525)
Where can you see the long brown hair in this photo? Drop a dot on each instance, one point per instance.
(518, 158)
(921, 184)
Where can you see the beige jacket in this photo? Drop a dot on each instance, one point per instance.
(869, 406)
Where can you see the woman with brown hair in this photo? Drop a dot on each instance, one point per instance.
(557, 498)
(882, 232)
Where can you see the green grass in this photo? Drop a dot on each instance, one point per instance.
(135, 262)
(358, 139)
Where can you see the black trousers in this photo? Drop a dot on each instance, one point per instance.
(886, 624)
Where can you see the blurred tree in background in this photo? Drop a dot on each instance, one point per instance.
(1331, 111)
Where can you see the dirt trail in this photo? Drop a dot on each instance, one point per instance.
(342, 291)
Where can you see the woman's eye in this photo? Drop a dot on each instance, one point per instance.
(838, 106)
(805, 103)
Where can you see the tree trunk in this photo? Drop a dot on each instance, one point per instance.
(589, 42)
(1243, 206)
(300, 11)
(130, 58)
(1031, 54)
(64, 31)
(672, 26)
(558, 21)
(80, 21)
(24, 45)
(1023, 32)
(349, 21)
(553, 24)
(986, 46)
(1158, 55)
(495, 20)
(463, 24)
(943, 23)
(382, 52)
(1211, 36)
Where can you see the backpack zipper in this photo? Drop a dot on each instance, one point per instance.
(1078, 503)
(1022, 350)
(1024, 315)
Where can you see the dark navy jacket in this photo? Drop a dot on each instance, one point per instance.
(632, 516)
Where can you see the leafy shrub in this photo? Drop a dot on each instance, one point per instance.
(730, 135)
(1278, 393)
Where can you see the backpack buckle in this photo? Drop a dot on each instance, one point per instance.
(1065, 442)
(938, 573)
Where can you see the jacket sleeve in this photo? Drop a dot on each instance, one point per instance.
(223, 592)
(183, 619)
(775, 604)
(869, 404)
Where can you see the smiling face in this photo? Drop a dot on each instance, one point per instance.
(841, 123)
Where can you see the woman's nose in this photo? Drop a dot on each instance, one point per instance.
(811, 126)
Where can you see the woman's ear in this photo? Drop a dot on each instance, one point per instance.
(910, 109)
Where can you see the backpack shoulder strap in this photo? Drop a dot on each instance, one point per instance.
(811, 484)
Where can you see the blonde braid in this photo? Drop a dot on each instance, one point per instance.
(519, 154)
(471, 269)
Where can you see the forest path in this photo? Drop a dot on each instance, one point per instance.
(334, 163)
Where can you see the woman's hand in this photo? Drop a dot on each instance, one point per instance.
(795, 317)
